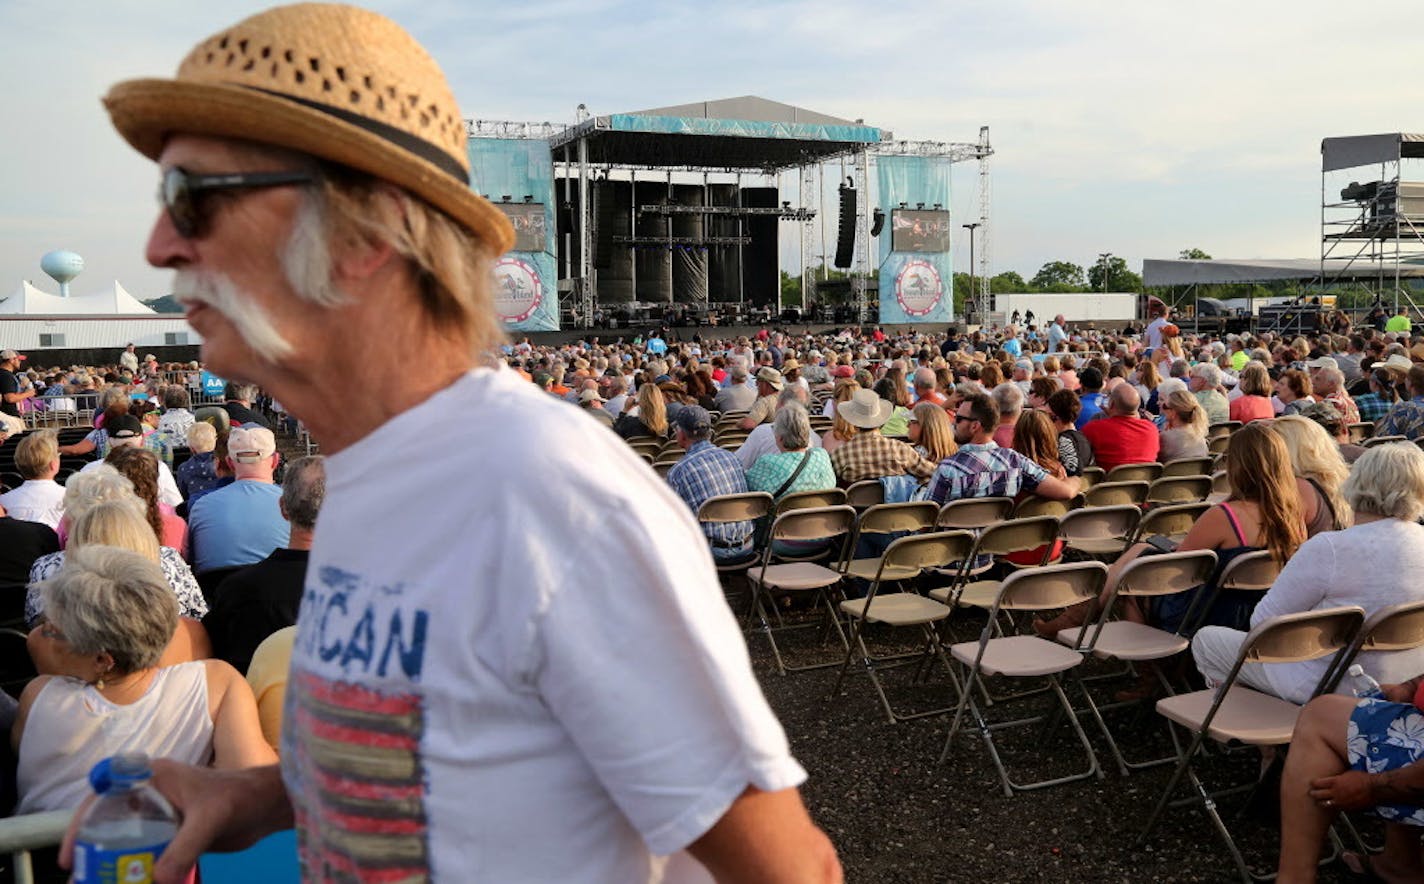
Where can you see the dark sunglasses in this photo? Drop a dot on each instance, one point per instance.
(182, 192)
(962, 417)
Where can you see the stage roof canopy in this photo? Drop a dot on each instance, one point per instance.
(1366, 150)
(734, 133)
(1160, 272)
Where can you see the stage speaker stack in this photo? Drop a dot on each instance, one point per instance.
(605, 207)
(845, 237)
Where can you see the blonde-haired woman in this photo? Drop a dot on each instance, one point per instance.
(841, 431)
(1185, 432)
(651, 419)
(931, 432)
(1316, 459)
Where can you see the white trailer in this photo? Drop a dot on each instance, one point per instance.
(1077, 308)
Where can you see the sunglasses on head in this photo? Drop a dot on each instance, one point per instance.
(182, 193)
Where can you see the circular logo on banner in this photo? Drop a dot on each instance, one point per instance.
(918, 288)
(517, 289)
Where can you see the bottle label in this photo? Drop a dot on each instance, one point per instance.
(127, 865)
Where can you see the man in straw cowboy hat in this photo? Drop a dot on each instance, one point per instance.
(869, 454)
(494, 698)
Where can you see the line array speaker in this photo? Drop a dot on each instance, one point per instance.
(845, 236)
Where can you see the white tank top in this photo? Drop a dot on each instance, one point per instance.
(71, 727)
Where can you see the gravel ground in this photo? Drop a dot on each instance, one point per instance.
(895, 815)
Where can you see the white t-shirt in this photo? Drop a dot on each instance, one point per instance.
(36, 500)
(1152, 335)
(521, 705)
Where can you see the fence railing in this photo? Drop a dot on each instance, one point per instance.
(34, 831)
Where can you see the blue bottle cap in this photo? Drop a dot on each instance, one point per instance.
(119, 770)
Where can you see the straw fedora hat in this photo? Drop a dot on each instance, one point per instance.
(337, 82)
(865, 409)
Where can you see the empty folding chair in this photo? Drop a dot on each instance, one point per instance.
(1130, 642)
(1134, 472)
(797, 577)
(747, 507)
(904, 560)
(1225, 428)
(974, 513)
(1117, 494)
(1091, 476)
(803, 549)
(1027, 656)
(1187, 466)
(1100, 530)
(1235, 714)
(1179, 489)
(1003, 539)
(1173, 521)
(884, 519)
(865, 493)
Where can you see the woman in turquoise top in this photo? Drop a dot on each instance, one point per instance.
(793, 467)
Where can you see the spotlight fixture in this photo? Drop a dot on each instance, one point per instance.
(919, 205)
(878, 223)
(529, 197)
(904, 205)
(506, 199)
(938, 206)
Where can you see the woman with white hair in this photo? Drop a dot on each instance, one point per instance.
(1386, 493)
(795, 465)
(111, 615)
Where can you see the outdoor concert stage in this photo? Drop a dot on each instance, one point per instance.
(687, 333)
(624, 215)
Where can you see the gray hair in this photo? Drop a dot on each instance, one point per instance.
(88, 487)
(1009, 397)
(1207, 372)
(241, 392)
(202, 437)
(1334, 380)
(175, 396)
(739, 371)
(111, 600)
(1179, 369)
(792, 426)
(303, 490)
(924, 378)
(792, 393)
(1387, 480)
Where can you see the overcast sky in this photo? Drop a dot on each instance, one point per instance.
(1135, 128)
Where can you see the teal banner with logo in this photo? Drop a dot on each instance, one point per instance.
(526, 295)
(916, 273)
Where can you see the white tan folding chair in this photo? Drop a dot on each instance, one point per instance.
(1179, 489)
(775, 576)
(997, 541)
(1131, 642)
(1186, 466)
(1134, 472)
(974, 513)
(1132, 493)
(904, 560)
(747, 507)
(888, 518)
(1100, 530)
(1220, 487)
(806, 500)
(865, 493)
(1225, 428)
(1027, 656)
(1235, 714)
(1218, 444)
(1091, 476)
(1391, 628)
(1033, 505)
(1173, 521)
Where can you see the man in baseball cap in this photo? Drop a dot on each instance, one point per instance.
(527, 672)
(10, 393)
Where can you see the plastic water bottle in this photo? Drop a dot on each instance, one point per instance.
(1365, 687)
(125, 831)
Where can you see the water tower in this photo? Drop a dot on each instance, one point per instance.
(62, 266)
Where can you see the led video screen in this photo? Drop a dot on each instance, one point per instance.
(919, 230)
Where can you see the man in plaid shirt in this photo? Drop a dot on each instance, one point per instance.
(983, 469)
(708, 471)
(869, 454)
(1406, 418)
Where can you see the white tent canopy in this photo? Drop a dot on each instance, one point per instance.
(1365, 150)
(1163, 272)
(32, 301)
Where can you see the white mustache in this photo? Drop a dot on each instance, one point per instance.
(252, 322)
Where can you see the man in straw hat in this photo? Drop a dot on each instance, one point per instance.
(496, 697)
(869, 454)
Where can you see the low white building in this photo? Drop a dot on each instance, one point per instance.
(34, 320)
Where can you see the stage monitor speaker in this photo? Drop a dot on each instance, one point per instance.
(845, 237)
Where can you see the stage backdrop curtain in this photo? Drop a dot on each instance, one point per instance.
(914, 286)
(526, 281)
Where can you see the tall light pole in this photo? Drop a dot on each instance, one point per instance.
(973, 294)
(1103, 259)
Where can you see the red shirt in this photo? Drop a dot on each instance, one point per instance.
(1251, 408)
(1118, 440)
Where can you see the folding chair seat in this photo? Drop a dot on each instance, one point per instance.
(974, 513)
(1026, 656)
(1130, 493)
(1179, 489)
(1091, 476)
(800, 500)
(807, 523)
(1173, 521)
(865, 493)
(1134, 472)
(1225, 428)
(1384, 440)
(1130, 642)
(889, 518)
(1218, 444)
(747, 507)
(1234, 714)
(1002, 539)
(904, 559)
(1100, 530)
(1186, 466)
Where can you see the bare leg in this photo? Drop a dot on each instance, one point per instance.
(1317, 750)
(1401, 860)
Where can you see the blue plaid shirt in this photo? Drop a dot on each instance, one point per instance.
(984, 471)
(1404, 419)
(708, 471)
(1372, 407)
